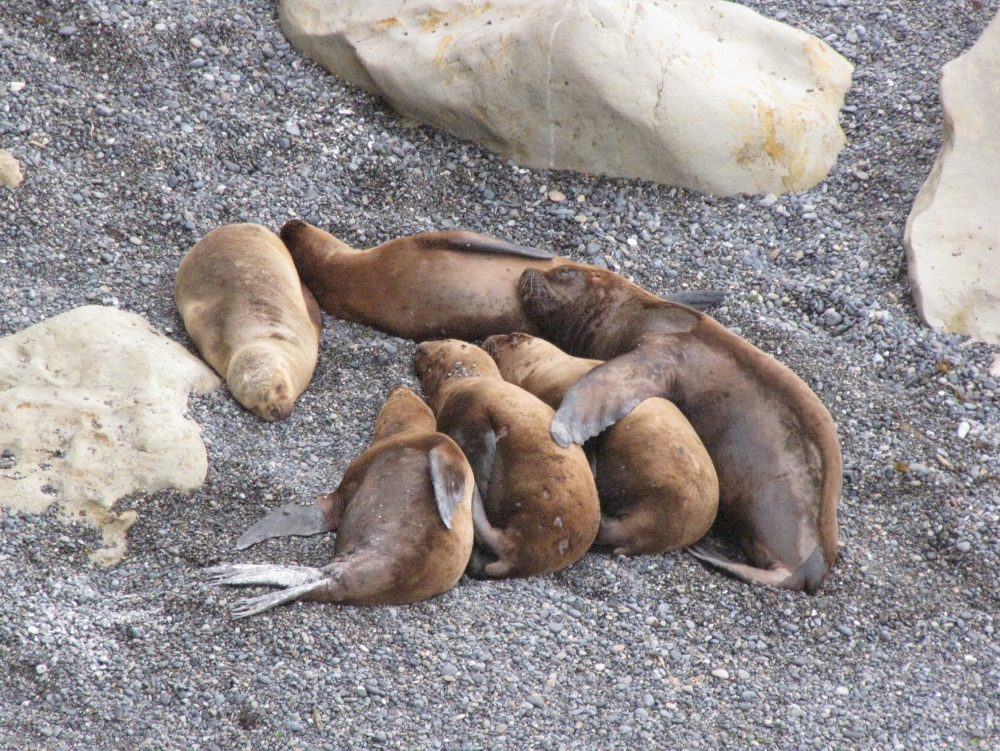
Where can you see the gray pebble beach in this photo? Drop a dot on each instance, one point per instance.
(143, 125)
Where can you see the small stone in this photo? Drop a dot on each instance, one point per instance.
(557, 196)
(196, 43)
(17, 86)
(292, 128)
(536, 701)
(618, 648)
(390, 347)
(104, 110)
(963, 429)
(743, 675)
(769, 200)
(842, 691)
(67, 31)
(293, 726)
(449, 669)
(964, 546)
(721, 673)
(41, 668)
(361, 691)
(10, 170)
(648, 700)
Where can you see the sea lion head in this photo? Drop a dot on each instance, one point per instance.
(499, 344)
(403, 410)
(257, 377)
(437, 361)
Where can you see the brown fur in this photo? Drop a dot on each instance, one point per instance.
(656, 483)
(250, 317)
(773, 443)
(392, 546)
(539, 500)
(428, 286)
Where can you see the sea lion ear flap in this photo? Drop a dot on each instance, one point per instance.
(448, 477)
(604, 396)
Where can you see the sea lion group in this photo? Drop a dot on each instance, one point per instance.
(595, 415)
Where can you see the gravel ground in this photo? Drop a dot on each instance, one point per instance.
(143, 125)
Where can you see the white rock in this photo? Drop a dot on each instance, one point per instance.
(10, 169)
(92, 406)
(963, 429)
(710, 96)
(721, 673)
(952, 236)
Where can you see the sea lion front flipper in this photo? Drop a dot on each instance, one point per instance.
(604, 396)
(478, 442)
(807, 577)
(294, 519)
(699, 299)
(472, 242)
(448, 478)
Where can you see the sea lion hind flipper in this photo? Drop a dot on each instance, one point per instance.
(448, 479)
(808, 577)
(291, 519)
(604, 396)
(472, 242)
(490, 543)
(699, 299)
(244, 574)
(247, 606)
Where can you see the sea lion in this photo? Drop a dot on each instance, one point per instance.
(773, 443)
(250, 316)
(655, 480)
(402, 513)
(537, 509)
(434, 285)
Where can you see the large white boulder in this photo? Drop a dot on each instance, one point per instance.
(92, 407)
(697, 94)
(952, 236)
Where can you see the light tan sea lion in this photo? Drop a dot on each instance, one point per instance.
(402, 513)
(538, 510)
(655, 480)
(773, 443)
(250, 316)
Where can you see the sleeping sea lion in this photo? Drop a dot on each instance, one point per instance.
(402, 513)
(773, 443)
(433, 285)
(250, 317)
(537, 509)
(655, 480)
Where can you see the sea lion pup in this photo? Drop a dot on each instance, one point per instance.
(537, 509)
(250, 316)
(402, 513)
(434, 285)
(773, 443)
(655, 480)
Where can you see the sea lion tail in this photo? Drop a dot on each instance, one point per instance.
(808, 577)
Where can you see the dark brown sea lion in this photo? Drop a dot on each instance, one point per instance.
(537, 509)
(655, 480)
(402, 513)
(250, 316)
(434, 285)
(773, 443)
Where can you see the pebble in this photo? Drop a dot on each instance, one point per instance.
(67, 31)
(963, 429)
(721, 673)
(536, 701)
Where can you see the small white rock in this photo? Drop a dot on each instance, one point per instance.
(721, 673)
(963, 429)
(17, 86)
(292, 128)
(842, 691)
(769, 200)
